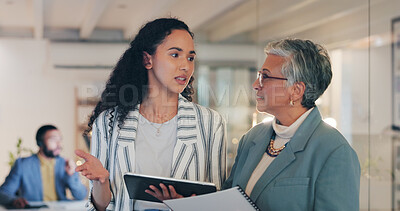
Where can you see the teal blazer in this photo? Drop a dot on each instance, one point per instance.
(318, 169)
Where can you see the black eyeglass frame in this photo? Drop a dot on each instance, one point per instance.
(260, 78)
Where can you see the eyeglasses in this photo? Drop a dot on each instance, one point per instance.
(261, 76)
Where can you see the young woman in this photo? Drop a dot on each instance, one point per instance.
(146, 123)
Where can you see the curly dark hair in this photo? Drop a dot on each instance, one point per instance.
(127, 85)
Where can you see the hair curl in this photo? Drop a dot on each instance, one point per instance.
(127, 85)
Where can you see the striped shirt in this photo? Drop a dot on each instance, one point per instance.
(199, 153)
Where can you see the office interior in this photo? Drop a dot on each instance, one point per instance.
(56, 55)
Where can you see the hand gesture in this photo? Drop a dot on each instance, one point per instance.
(70, 167)
(19, 203)
(92, 168)
(164, 194)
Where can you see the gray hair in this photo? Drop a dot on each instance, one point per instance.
(306, 62)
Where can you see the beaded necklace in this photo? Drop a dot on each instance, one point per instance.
(271, 151)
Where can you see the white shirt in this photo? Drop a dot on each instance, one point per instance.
(283, 135)
(154, 153)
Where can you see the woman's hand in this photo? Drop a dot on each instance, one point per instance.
(92, 168)
(164, 194)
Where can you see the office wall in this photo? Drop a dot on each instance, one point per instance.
(33, 93)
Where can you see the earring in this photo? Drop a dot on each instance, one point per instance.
(291, 102)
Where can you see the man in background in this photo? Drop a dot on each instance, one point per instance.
(44, 176)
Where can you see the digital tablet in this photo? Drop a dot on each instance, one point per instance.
(138, 183)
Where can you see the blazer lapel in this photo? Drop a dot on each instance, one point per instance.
(287, 156)
(305, 130)
(255, 154)
(281, 162)
(37, 180)
(186, 138)
(126, 141)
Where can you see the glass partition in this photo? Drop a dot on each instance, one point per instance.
(384, 69)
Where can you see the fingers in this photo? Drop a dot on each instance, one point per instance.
(85, 172)
(165, 191)
(152, 193)
(90, 176)
(92, 167)
(93, 177)
(102, 180)
(174, 194)
(83, 154)
(81, 167)
(155, 192)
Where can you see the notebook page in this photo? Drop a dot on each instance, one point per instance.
(231, 199)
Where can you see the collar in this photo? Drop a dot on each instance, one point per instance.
(287, 132)
(186, 120)
(300, 137)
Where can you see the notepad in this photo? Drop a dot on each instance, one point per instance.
(138, 183)
(233, 199)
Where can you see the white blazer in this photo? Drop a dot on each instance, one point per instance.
(199, 153)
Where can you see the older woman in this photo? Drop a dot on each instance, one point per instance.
(295, 162)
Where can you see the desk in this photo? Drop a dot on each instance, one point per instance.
(55, 206)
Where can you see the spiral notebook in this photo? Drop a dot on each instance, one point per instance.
(233, 199)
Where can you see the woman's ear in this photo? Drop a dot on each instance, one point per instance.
(147, 62)
(298, 91)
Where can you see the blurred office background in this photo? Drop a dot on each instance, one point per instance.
(56, 55)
